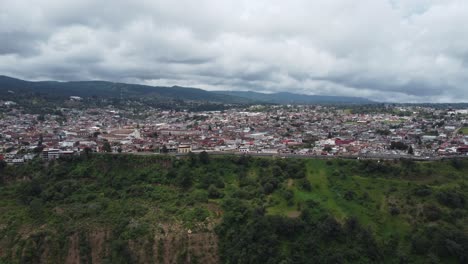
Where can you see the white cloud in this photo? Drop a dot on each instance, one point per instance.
(389, 50)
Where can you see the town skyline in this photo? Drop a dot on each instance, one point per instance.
(310, 131)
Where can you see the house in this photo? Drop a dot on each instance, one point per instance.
(462, 149)
(184, 149)
(16, 161)
(29, 156)
(244, 149)
(270, 150)
(75, 98)
(50, 154)
(66, 153)
(340, 142)
(429, 138)
(169, 149)
(9, 103)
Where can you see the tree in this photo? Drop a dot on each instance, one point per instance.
(268, 188)
(451, 198)
(41, 139)
(349, 195)
(164, 149)
(213, 192)
(204, 157)
(192, 158)
(305, 184)
(384, 132)
(3, 165)
(398, 145)
(184, 178)
(36, 208)
(330, 228)
(410, 150)
(87, 151)
(106, 147)
(327, 148)
(38, 150)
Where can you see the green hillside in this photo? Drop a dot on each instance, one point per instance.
(11, 88)
(207, 209)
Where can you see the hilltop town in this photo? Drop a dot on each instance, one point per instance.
(391, 132)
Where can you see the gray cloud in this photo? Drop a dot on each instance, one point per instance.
(387, 50)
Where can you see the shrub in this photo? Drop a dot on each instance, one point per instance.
(305, 185)
(422, 191)
(451, 198)
(394, 210)
(432, 212)
(214, 193)
(349, 195)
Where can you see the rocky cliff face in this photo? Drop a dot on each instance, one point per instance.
(172, 244)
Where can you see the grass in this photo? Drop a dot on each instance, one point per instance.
(464, 131)
(384, 202)
(372, 197)
(318, 177)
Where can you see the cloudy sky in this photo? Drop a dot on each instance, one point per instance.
(387, 50)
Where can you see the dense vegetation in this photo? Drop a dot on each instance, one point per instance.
(11, 88)
(47, 97)
(249, 210)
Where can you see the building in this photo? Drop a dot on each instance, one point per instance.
(244, 149)
(16, 161)
(463, 149)
(50, 154)
(121, 135)
(75, 98)
(429, 138)
(184, 149)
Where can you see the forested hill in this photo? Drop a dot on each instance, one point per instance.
(239, 209)
(11, 87)
(292, 98)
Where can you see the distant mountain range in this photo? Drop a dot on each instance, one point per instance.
(292, 98)
(10, 87)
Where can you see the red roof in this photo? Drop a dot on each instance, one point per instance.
(343, 142)
(462, 149)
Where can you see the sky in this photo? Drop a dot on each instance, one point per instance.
(385, 50)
